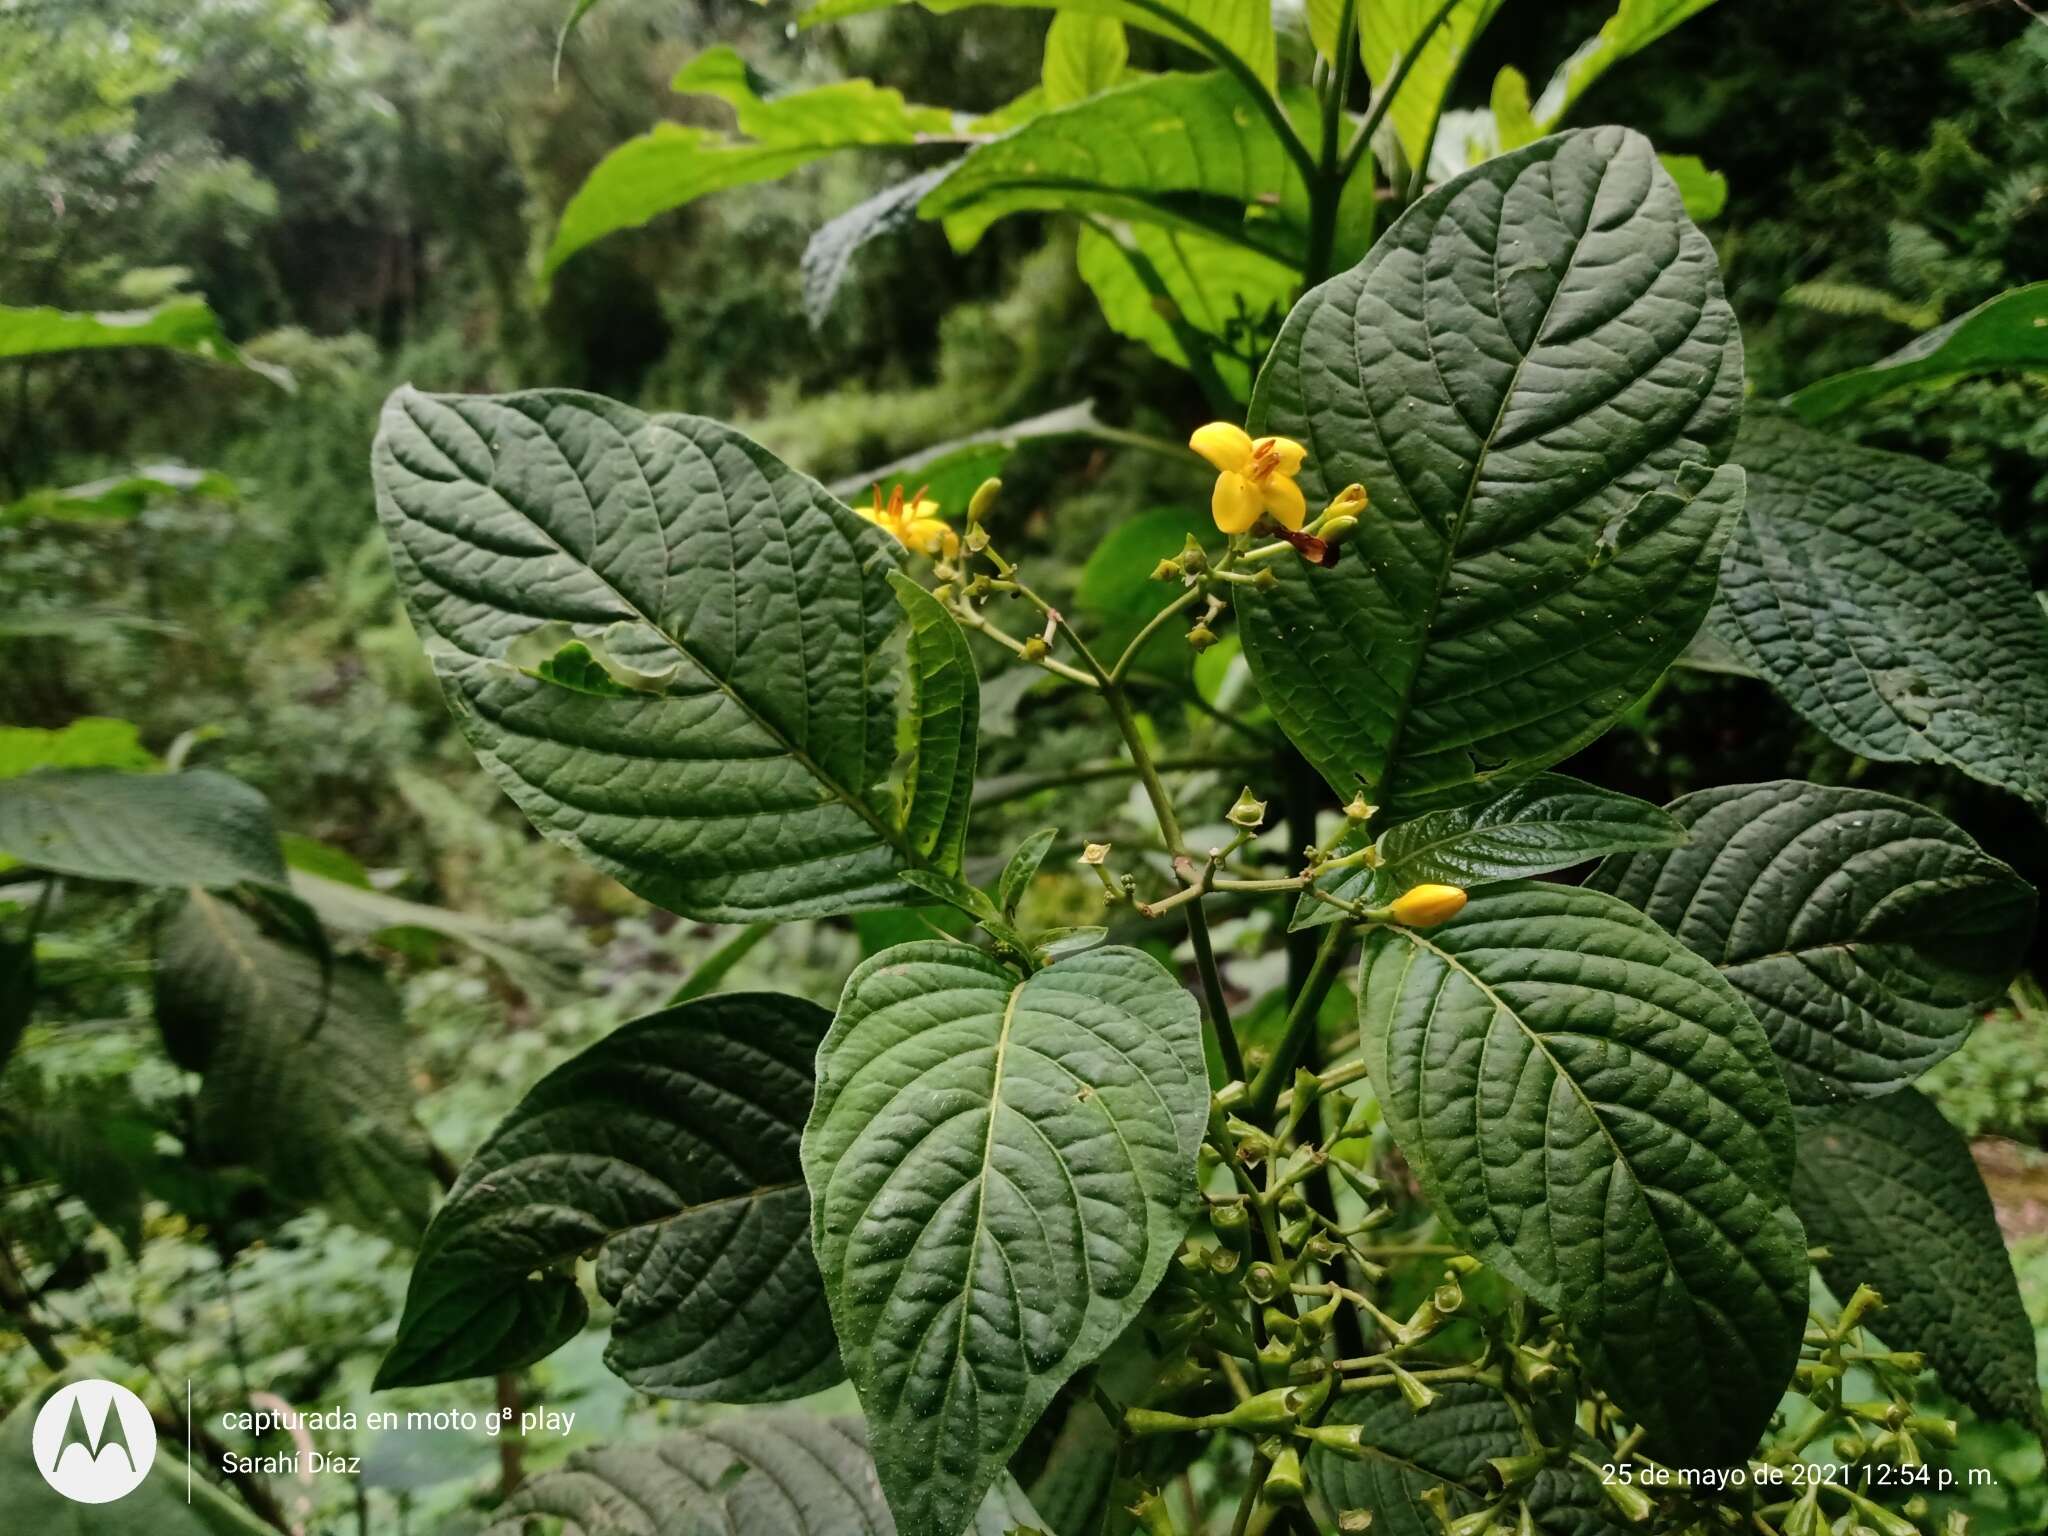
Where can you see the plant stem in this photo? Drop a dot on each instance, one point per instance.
(1301, 1023)
(721, 960)
(1382, 103)
(1016, 786)
(1180, 604)
(1205, 41)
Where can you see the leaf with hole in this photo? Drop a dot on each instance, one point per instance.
(326, 1118)
(1533, 375)
(670, 1148)
(1537, 828)
(754, 783)
(1873, 591)
(1594, 1112)
(1000, 1170)
(1888, 1188)
(1866, 933)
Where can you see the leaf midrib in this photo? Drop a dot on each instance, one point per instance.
(1398, 729)
(857, 802)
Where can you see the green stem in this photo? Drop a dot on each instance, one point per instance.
(1301, 1023)
(1383, 103)
(719, 962)
(1326, 190)
(1152, 627)
(1015, 786)
(1205, 41)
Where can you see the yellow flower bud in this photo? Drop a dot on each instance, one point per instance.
(1426, 906)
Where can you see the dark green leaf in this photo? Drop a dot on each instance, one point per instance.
(828, 256)
(1593, 1110)
(1023, 868)
(162, 829)
(785, 1473)
(1872, 591)
(753, 785)
(2010, 331)
(1890, 1190)
(670, 1147)
(1448, 1446)
(1532, 374)
(304, 1070)
(945, 717)
(1002, 1170)
(1866, 933)
(1549, 823)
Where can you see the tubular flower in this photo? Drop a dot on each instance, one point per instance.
(1427, 905)
(914, 524)
(1251, 476)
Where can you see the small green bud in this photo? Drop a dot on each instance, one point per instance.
(1248, 812)
(1941, 1431)
(1865, 1301)
(1336, 528)
(1265, 1281)
(1200, 638)
(1357, 810)
(1850, 1447)
(977, 539)
(1513, 1471)
(983, 501)
(943, 592)
(1193, 558)
(1344, 1439)
(1284, 1482)
(1253, 1144)
(1151, 1514)
(1629, 1501)
(1413, 1389)
(1265, 1410)
(1307, 1398)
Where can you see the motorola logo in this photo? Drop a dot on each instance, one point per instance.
(94, 1441)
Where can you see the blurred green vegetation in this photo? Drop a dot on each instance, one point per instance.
(361, 187)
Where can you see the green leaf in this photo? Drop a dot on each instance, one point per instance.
(828, 255)
(161, 1505)
(1532, 374)
(1549, 823)
(1873, 592)
(945, 716)
(1448, 1445)
(670, 1147)
(1513, 125)
(1000, 1171)
(2010, 331)
(1390, 30)
(160, 829)
(1705, 192)
(1084, 56)
(93, 741)
(753, 786)
(1634, 25)
(533, 957)
(1591, 1108)
(1187, 152)
(1242, 28)
(1866, 933)
(1023, 868)
(1191, 299)
(671, 166)
(303, 1065)
(119, 498)
(1890, 1190)
(179, 325)
(782, 1473)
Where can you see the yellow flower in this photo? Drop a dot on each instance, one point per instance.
(914, 524)
(1251, 477)
(1428, 905)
